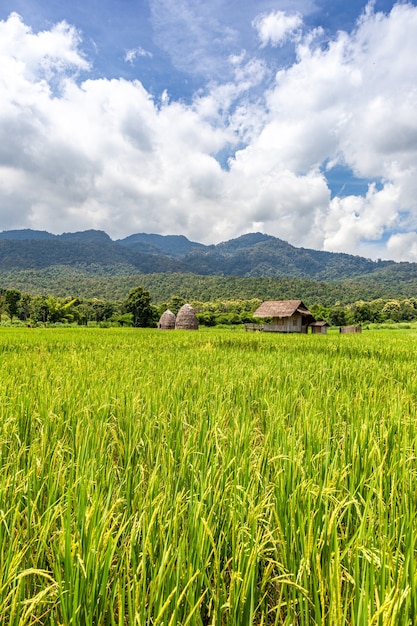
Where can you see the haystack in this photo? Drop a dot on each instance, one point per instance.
(186, 318)
(167, 320)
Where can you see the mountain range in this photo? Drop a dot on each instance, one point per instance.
(39, 260)
(254, 254)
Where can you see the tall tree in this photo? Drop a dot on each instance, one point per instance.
(3, 303)
(12, 298)
(139, 304)
(39, 309)
(24, 306)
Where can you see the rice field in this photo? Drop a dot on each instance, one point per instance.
(210, 478)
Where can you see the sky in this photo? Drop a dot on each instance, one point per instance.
(295, 118)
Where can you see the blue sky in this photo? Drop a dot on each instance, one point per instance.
(179, 46)
(297, 118)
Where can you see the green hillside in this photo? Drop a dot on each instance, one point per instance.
(89, 264)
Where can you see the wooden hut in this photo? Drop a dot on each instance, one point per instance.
(167, 320)
(319, 328)
(186, 318)
(288, 316)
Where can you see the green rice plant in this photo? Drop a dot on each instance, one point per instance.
(210, 478)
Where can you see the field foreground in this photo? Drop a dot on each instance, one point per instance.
(222, 478)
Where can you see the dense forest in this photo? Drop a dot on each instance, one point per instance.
(93, 253)
(76, 283)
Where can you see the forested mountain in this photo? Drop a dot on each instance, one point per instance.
(171, 245)
(254, 254)
(90, 263)
(262, 255)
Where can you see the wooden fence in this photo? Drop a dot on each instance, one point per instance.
(350, 329)
(250, 328)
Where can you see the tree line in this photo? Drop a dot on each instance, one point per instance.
(138, 310)
(375, 311)
(135, 310)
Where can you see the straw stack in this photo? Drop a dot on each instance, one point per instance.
(186, 318)
(167, 320)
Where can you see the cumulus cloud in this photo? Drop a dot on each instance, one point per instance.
(41, 54)
(278, 27)
(354, 101)
(403, 246)
(79, 152)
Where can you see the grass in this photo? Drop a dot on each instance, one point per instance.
(217, 477)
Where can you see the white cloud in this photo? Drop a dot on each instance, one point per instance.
(403, 246)
(134, 53)
(278, 27)
(354, 101)
(356, 218)
(43, 54)
(104, 154)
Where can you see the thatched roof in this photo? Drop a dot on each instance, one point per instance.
(186, 318)
(282, 308)
(167, 320)
(320, 323)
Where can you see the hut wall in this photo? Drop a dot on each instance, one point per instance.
(291, 324)
(319, 330)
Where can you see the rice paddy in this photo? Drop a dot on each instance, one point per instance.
(211, 478)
